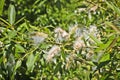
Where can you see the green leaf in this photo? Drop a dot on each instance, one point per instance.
(95, 39)
(57, 68)
(30, 62)
(41, 3)
(103, 46)
(55, 78)
(18, 64)
(19, 48)
(104, 77)
(112, 6)
(113, 27)
(106, 45)
(105, 57)
(11, 14)
(23, 27)
(1, 6)
(10, 64)
(63, 54)
(12, 34)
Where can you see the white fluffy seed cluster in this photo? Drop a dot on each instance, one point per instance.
(82, 40)
(38, 37)
(78, 44)
(52, 52)
(60, 34)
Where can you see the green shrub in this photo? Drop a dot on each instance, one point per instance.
(59, 40)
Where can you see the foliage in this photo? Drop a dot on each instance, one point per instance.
(59, 40)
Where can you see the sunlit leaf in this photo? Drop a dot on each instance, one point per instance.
(105, 57)
(12, 34)
(31, 61)
(22, 27)
(11, 14)
(95, 39)
(106, 46)
(18, 64)
(19, 48)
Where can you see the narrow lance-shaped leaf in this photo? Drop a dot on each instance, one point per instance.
(30, 62)
(112, 44)
(57, 68)
(19, 48)
(18, 64)
(113, 7)
(1, 6)
(95, 39)
(105, 57)
(106, 46)
(11, 14)
(113, 27)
